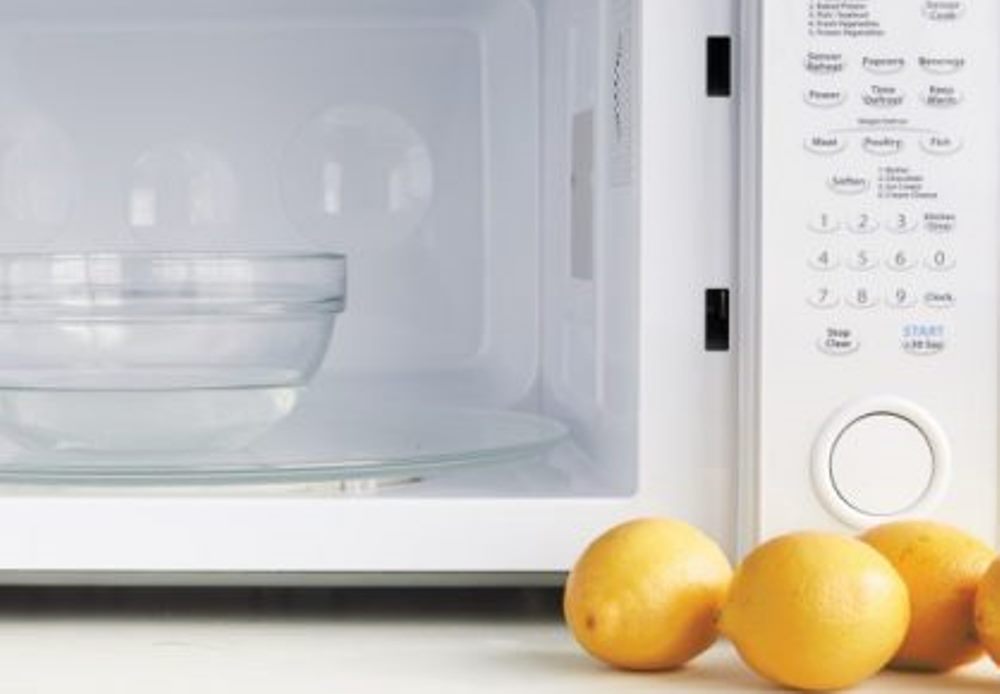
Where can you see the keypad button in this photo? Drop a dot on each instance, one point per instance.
(824, 63)
(824, 297)
(863, 223)
(824, 223)
(883, 65)
(939, 299)
(824, 260)
(943, 10)
(824, 98)
(940, 222)
(883, 145)
(941, 65)
(826, 144)
(901, 222)
(883, 96)
(941, 96)
(901, 297)
(862, 297)
(900, 261)
(940, 261)
(838, 341)
(862, 260)
(848, 184)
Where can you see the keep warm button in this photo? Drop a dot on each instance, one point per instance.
(838, 342)
(923, 339)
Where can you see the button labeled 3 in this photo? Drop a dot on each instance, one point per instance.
(901, 223)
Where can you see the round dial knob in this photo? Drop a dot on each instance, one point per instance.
(881, 464)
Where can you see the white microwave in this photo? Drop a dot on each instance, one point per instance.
(603, 259)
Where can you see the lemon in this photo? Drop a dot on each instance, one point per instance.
(942, 567)
(645, 595)
(815, 611)
(987, 611)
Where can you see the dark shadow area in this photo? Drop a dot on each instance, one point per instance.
(499, 604)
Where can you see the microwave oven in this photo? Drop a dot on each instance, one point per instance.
(728, 262)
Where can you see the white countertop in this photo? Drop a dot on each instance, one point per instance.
(376, 641)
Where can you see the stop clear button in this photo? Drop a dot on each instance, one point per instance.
(881, 464)
(879, 458)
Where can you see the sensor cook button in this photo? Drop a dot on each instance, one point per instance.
(881, 464)
(943, 10)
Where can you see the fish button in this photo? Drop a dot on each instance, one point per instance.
(941, 96)
(826, 144)
(882, 96)
(837, 342)
(847, 185)
(824, 98)
(943, 10)
(882, 145)
(825, 63)
(883, 65)
(938, 65)
(940, 144)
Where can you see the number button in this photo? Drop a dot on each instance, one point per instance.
(823, 297)
(902, 223)
(864, 223)
(862, 261)
(824, 223)
(901, 297)
(900, 261)
(940, 261)
(862, 297)
(824, 261)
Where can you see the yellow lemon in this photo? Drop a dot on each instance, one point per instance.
(987, 611)
(645, 595)
(816, 611)
(942, 567)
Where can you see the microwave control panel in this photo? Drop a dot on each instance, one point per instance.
(872, 277)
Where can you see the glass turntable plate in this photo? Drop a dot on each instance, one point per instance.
(338, 442)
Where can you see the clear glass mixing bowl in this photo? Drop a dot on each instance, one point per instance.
(159, 351)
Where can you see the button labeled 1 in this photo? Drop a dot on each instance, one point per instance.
(824, 223)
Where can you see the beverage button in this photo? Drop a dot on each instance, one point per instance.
(941, 65)
(862, 298)
(862, 261)
(882, 145)
(847, 184)
(940, 261)
(823, 298)
(941, 96)
(824, 63)
(939, 299)
(837, 341)
(939, 144)
(943, 10)
(824, 223)
(922, 339)
(901, 297)
(824, 98)
(901, 223)
(940, 222)
(883, 65)
(900, 261)
(824, 260)
(826, 144)
(882, 96)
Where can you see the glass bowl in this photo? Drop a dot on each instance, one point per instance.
(159, 351)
